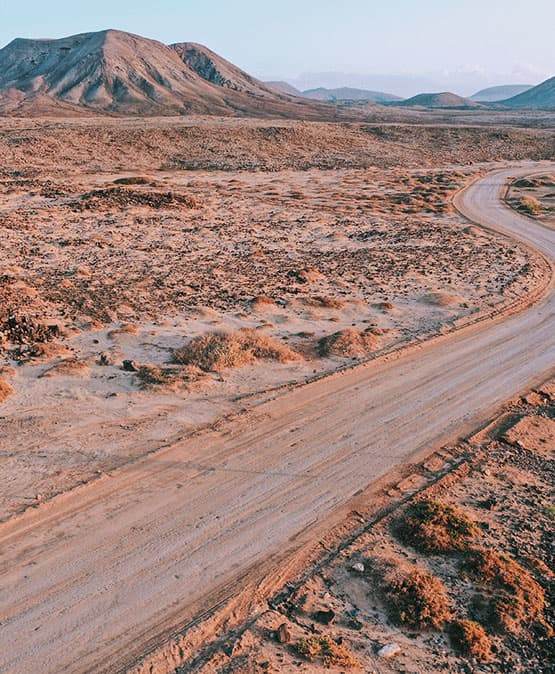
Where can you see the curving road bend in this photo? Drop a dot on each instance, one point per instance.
(92, 579)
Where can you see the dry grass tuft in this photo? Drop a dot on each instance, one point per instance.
(5, 390)
(324, 647)
(324, 302)
(262, 301)
(221, 350)
(164, 377)
(529, 205)
(133, 180)
(436, 527)
(348, 343)
(511, 599)
(414, 597)
(470, 639)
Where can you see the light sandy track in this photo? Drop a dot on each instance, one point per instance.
(92, 579)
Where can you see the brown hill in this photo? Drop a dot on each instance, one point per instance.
(542, 96)
(120, 73)
(445, 100)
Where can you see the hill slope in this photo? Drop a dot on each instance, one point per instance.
(444, 100)
(284, 87)
(120, 73)
(349, 94)
(542, 96)
(500, 93)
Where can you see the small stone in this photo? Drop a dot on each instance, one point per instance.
(389, 651)
(358, 567)
(130, 366)
(283, 635)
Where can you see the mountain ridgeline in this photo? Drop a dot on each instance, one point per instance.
(120, 73)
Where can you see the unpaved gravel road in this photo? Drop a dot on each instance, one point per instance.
(94, 577)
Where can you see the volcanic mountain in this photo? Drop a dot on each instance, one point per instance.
(542, 96)
(120, 73)
(500, 93)
(349, 94)
(445, 100)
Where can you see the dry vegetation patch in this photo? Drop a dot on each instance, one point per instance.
(348, 343)
(511, 599)
(470, 639)
(221, 350)
(323, 647)
(436, 527)
(413, 597)
(167, 377)
(5, 390)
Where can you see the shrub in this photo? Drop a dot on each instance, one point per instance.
(436, 527)
(5, 390)
(470, 639)
(415, 598)
(348, 342)
(530, 205)
(324, 647)
(221, 350)
(511, 598)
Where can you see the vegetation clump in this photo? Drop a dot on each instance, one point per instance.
(470, 639)
(435, 527)
(324, 647)
(5, 390)
(415, 598)
(511, 599)
(220, 350)
(530, 206)
(348, 343)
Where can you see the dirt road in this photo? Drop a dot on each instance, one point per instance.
(91, 579)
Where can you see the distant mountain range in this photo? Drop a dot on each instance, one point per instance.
(500, 93)
(120, 73)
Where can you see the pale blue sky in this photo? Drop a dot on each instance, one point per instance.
(466, 42)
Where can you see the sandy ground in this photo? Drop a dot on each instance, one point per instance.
(135, 271)
(502, 478)
(251, 485)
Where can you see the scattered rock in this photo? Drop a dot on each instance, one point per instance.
(130, 366)
(389, 651)
(283, 635)
(324, 617)
(358, 567)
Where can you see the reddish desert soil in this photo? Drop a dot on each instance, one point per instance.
(502, 479)
(124, 241)
(130, 265)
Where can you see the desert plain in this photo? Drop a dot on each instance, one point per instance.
(166, 279)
